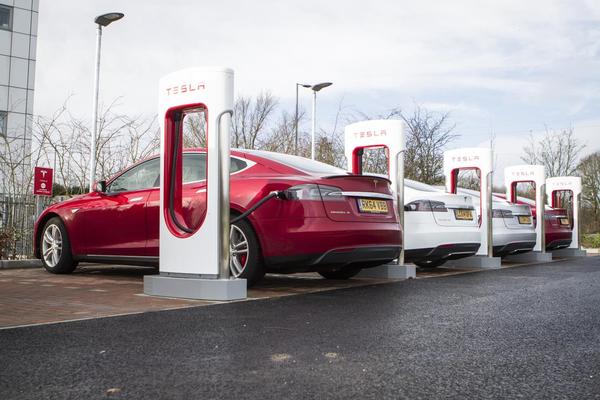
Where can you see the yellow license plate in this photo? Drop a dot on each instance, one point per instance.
(463, 214)
(372, 206)
(524, 219)
(564, 221)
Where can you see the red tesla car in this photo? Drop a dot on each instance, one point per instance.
(325, 220)
(559, 233)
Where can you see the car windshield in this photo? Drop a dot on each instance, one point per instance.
(300, 163)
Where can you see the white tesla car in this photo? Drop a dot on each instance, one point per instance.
(512, 228)
(438, 226)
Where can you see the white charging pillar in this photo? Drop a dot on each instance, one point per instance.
(554, 187)
(475, 158)
(388, 134)
(535, 174)
(194, 261)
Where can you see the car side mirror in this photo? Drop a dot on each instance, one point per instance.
(100, 187)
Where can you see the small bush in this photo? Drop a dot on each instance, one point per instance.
(591, 240)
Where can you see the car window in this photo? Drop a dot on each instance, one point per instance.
(301, 163)
(194, 166)
(142, 176)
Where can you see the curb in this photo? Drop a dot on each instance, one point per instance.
(13, 264)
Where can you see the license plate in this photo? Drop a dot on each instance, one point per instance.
(564, 221)
(372, 206)
(524, 219)
(463, 214)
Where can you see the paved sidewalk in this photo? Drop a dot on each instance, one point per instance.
(34, 296)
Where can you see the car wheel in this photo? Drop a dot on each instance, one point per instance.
(344, 273)
(244, 253)
(429, 263)
(55, 248)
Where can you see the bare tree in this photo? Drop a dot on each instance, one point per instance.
(558, 151)
(428, 135)
(281, 138)
(589, 170)
(250, 118)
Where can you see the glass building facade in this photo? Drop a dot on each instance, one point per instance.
(18, 40)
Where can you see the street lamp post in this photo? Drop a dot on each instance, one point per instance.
(101, 20)
(315, 89)
(304, 85)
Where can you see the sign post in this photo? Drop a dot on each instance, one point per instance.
(42, 186)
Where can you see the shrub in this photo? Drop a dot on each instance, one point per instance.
(591, 240)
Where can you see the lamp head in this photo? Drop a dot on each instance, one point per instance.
(320, 86)
(108, 18)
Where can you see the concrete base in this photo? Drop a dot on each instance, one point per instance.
(389, 271)
(195, 288)
(568, 253)
(532, 256)
(475, 262)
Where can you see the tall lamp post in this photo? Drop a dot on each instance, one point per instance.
(315, 89)
(304, 85)
(101, 20)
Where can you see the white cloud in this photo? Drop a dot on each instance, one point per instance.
(537, 52)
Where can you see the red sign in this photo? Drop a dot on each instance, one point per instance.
(42, 181)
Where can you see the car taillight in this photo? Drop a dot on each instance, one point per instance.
(426, 205)
(330, 193)
(314, 192)
(502, 214)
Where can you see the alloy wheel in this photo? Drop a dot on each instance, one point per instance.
(52, 245)
(238, 251)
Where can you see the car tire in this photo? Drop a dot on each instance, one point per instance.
(344, 273)
(245, 259)
(55, 248)
(429, 263)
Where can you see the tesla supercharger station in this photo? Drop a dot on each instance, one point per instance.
(194, 261)
(388, 134)
(535, 174)
(480, 159)
(554, 188)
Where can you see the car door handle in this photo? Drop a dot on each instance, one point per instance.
(134, 199)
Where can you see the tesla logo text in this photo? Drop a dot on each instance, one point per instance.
(465, 158)
(187, 87)
(367, 134)
(523, 173)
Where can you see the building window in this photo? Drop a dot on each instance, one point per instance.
(3, 119)
(6, 17)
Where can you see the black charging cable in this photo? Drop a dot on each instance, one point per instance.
(280, 194)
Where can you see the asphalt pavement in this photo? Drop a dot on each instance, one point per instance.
(526, 332)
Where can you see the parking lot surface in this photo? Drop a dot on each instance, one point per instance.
(531, 332)
(34, 296)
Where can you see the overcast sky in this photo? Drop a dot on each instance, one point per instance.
(511, 67)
